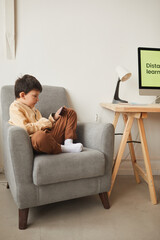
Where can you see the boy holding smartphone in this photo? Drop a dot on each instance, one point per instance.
(51, 135)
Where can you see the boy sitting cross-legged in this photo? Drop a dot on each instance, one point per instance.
(53, 135)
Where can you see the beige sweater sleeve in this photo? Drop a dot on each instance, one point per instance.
(27, 120)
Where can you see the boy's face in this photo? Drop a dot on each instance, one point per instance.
(31, 98)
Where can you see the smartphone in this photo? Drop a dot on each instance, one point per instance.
(62, 111)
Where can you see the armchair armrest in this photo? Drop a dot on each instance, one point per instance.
(21, 154)
(98, 136)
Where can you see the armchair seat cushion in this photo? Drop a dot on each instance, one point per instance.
(49, 169)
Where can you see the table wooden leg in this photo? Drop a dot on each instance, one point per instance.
(132, 152)
(115, 121)
(121, 150)
(116, 117)
(147, 161)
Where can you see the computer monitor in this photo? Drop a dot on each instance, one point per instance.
(149, 71)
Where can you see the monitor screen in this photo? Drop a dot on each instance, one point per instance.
(149, 71)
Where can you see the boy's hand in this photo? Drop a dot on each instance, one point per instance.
(59, 113)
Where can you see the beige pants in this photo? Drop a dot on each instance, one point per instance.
(49, 141)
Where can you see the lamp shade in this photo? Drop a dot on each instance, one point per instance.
(123, 73)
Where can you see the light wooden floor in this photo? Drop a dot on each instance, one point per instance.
(131, 216)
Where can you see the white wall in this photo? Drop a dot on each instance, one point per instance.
(77, 44)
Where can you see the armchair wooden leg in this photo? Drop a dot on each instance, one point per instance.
(7, 185)
(23, 216)
(105, 200)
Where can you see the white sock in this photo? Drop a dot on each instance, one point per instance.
(72, 148)
(68, 141)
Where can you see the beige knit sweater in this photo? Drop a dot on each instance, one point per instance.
(28, 118)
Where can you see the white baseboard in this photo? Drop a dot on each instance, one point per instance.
(127, 169)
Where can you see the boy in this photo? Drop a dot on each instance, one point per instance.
(47, 135)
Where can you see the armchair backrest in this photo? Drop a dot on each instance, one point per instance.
(50, 100)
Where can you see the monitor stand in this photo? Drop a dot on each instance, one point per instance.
(157, 100)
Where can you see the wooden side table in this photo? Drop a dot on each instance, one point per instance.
(129, 113)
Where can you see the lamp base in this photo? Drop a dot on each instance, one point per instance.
(117, 101)
(116, 98)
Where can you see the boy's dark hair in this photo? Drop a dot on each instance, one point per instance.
(26, 84)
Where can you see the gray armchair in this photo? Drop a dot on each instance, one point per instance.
(38, 179)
